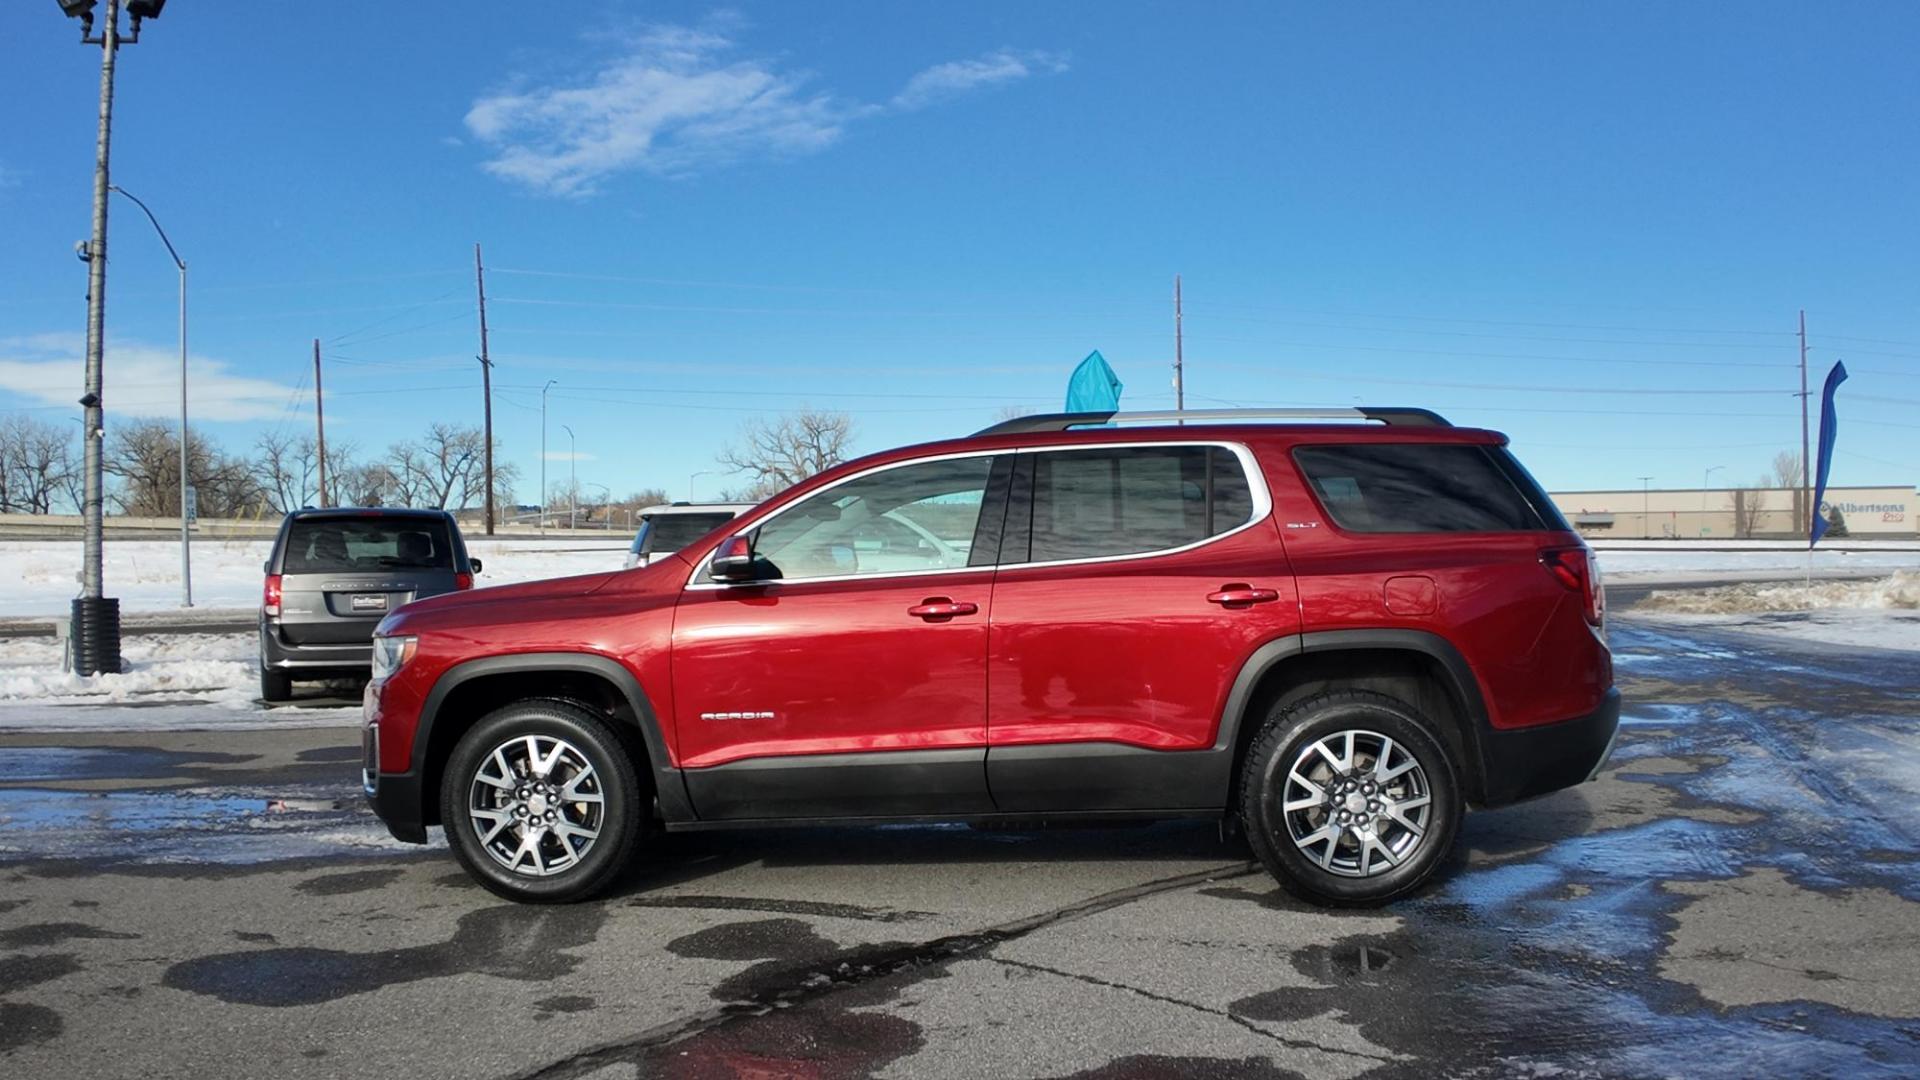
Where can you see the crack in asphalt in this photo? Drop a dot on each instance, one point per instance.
(1294, 1044)
(863, 964)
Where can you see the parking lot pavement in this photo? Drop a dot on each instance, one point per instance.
(1735, 896)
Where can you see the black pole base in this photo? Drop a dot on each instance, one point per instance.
(96, 635)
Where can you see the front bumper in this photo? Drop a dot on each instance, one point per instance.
(395, 797)
(1534, 761)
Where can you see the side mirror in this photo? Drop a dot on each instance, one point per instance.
(475, 564)
(267, 567)
(732, 561)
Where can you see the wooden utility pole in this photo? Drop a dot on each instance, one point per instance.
(486, 379)
(1806, 464)
(320, 423)
(1179, 361)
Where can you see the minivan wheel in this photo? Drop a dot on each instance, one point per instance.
(1348, 798)
(541, 803)
(275, 686)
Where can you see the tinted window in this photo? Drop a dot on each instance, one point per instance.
(915, 517)
(331, 545)
(1420, 487)
(1126, 500)
(671, 532)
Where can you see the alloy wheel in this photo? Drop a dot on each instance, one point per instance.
(1356, 803)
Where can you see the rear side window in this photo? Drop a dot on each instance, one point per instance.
(332, 545)
(671, 532)
(1090, 504)
(1424, 487)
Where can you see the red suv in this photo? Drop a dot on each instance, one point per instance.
(1336, 635)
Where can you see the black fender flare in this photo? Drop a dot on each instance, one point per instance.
(1465, 687)
(669, 787)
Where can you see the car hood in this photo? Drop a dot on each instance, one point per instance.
(534, 599)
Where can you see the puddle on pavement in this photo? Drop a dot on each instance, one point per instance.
(190, 825)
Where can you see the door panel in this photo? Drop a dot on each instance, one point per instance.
(1137, 651)
(829, 667)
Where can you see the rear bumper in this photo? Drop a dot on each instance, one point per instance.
(277, 654)
(1535, 761)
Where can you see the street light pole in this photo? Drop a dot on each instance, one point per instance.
(186, 543)
(1646, 518)
(573, 484)
(691, 479)
(96, 617)
(543, 454)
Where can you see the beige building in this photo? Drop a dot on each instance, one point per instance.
(1728, 513)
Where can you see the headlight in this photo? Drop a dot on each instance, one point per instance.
(390, 654)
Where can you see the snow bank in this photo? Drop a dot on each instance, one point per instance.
(218, 669)
(1902, 590)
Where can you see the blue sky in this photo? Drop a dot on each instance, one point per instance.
(1588, 226)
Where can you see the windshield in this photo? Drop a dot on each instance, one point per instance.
(319, 546)
(671, 532)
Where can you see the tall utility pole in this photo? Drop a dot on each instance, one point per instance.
(573, 483)
(1179, 366)
(186, 544)
(1646, 519)
(486, 378)
(96, 617)
(543, 454)
(320, 422)
(1806, 465)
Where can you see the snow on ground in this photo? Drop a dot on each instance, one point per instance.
(1674, 560)
(145, 574)
(172, 683)
(1881, 613)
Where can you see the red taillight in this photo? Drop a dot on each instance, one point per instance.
(463, 581)
(1578, 570)
(270, 599)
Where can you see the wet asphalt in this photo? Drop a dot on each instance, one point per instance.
(1737, 895)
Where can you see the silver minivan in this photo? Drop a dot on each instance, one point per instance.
(668, 527)
(334, 574)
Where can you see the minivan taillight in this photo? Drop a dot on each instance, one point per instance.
(462, 581)
(1578, 570)
(270, 599)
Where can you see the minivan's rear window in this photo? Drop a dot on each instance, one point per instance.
(332, 545)
(671, 532)
(1425, 487)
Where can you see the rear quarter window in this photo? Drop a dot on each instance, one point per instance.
(1425, 487)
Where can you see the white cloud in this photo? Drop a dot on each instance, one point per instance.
(679, 100)
(140, 379)
(943, 81)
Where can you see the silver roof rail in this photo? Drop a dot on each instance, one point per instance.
(1393, 417)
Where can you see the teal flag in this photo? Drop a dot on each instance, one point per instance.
(1093, 387)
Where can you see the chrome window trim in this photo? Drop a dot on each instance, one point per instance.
(1257, 490)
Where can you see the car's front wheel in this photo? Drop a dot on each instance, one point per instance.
(541, 803)
(1348, 797)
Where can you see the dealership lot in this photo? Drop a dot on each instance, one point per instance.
(1734, 896)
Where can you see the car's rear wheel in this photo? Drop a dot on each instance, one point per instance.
(1349, 798)
(541, 803)
(275, 685)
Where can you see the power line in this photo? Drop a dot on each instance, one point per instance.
(1517, 388)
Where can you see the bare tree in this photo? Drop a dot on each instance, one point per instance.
(1787, 474)
(446, 469)
(283, 465)
(1746, 508)
(778, 454)
(145, 457)
(37, 464)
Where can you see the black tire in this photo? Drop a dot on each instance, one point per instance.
(275, 686)
(621, 823)
(1290, 732)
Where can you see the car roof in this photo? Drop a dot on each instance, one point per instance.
(695, 508)
(340, 512)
